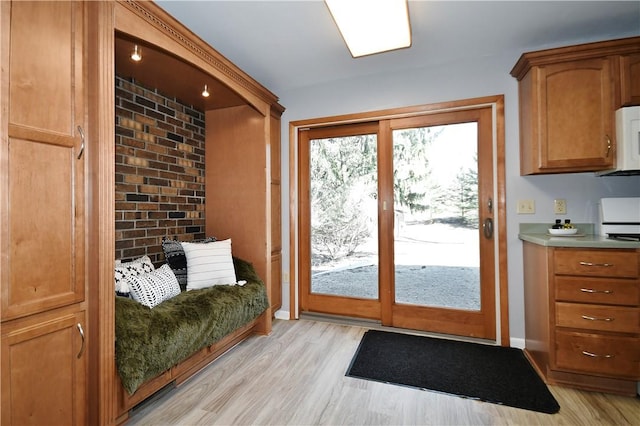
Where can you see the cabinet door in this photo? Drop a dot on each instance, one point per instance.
(45, 175)
(630, 80)
(43, 371)
(575, 101)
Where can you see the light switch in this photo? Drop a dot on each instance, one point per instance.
(526, 207)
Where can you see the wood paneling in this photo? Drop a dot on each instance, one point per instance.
(237, 191)
(158, 70)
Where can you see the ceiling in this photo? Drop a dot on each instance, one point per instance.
(288, 45)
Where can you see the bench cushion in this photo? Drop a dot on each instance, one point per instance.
(150, 341)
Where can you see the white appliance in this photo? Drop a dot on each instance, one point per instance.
(627, 142)
(620, 218)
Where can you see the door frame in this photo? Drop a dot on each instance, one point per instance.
(499, 191)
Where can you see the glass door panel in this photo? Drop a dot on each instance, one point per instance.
(344, 222)
(436, 247)
(443, 277)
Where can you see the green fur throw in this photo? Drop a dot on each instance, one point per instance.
(150, 341)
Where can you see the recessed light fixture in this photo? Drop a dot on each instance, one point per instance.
(372, 26)
(205, 92)
(136, 55)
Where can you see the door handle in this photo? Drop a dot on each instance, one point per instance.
(487, 228)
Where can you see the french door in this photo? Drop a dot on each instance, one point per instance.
(396, 221)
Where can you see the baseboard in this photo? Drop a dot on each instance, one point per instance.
(282, 315)
(514, 342)
(517, 342)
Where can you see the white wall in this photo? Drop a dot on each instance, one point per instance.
(468, 78)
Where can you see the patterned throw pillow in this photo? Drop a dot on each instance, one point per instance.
(174, 255)
(124, 270)
(209, 264)
(155, 287)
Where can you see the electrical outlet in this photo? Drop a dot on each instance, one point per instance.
(560, 206)
(526, 207)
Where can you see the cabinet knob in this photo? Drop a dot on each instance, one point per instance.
(608, 145)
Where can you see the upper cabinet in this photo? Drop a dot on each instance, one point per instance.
(568, 97)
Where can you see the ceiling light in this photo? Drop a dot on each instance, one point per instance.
(205, 92)
(372, 26)
(136, 55)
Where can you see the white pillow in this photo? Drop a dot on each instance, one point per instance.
(209, 264)
(124, 270)
(155, 287)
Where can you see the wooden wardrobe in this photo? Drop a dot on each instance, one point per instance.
(57, 235)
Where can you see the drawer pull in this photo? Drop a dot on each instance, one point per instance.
(590, 290)
(603, 265)
(587, 317)
(592, 355)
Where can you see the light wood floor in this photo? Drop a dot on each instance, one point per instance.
(296, 376)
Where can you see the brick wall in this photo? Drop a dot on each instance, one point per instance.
(159, 171)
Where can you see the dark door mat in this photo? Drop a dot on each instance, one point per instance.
(488, 373)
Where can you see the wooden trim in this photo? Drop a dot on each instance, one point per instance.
(5, 22)
(393, 113)
(100, 153)
(304, 217)
(600, 49)
(173, 36)
(613, 385)
(501, 205)
(386, 220)
(293, 222)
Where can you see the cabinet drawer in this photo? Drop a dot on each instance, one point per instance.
(593, 353)
(599, 263)
(608, 291)
(598, 317)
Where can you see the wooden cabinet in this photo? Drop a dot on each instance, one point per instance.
(43, 213)
(43, 370)
(629, 79)
(568, 97)
(582, 316)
